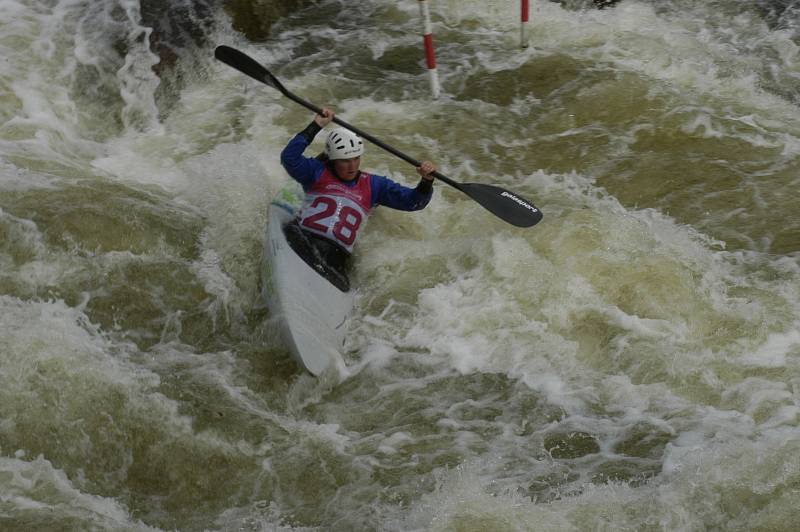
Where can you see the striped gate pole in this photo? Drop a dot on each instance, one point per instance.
(430, 56)
(523, 42)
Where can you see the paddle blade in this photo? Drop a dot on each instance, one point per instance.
(247, 65)
(506, 205)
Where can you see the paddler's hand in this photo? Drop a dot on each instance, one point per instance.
(426, 169)
(324, 118)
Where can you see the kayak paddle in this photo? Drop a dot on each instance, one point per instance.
(506, 205)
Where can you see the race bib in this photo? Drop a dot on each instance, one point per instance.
(336, 211)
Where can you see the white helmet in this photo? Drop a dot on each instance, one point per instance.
(343, 144)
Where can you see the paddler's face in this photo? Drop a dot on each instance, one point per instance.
(347, 169)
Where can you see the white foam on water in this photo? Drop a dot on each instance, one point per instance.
(650, 295)
(612, 316)
(773, 353)
(55, 364)
(699, 479)
(61, 60)
(37, 487)
(461, 503)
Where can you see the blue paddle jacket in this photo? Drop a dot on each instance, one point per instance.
(307, 171)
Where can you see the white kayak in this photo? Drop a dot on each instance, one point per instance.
(311, 312)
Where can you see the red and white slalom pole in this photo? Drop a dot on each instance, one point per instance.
(525, 15)
(430, 55)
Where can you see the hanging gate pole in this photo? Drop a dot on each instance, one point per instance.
(523, 41)
(430, 56)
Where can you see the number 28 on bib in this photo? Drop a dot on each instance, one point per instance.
(336, 212)
(333, 219)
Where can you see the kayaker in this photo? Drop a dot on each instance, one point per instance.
(340, 197)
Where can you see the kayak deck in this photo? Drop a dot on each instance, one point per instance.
(312, 313)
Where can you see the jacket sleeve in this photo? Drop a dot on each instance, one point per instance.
(394, 195)
(302, 169)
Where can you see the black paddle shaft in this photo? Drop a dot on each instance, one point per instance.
(510, 207)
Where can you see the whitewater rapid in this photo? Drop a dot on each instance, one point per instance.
(629, 363)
